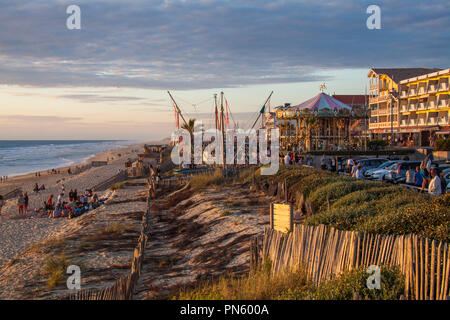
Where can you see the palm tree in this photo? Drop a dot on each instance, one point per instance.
(189, 126)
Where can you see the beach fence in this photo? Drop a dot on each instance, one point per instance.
(12, 194)
(325, 251)
(124, 287)
(102, 186)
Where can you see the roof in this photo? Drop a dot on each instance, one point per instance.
(351, 98)
(399, 74)
(322, 101)
(428, 75)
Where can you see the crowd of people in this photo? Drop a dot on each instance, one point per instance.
(3, 178)
(75, 206)
(292, 158)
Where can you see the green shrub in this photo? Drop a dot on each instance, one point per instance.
(55, 268)
(337, 190)
(345, 286)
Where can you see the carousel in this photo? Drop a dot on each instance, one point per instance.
(320, 123)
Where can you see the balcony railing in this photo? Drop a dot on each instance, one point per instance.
(422, 106)
(422, 90)
(443, 103)
(404, 108)
(404, 94)
(443, 86)
(404, 122)
(432, 120)
(412, 122)
(412, 106)
(412, 92)
(442, 121)
(432, 88)
(431, 104)
(421, 121)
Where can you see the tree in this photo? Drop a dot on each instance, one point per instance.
(189, 126)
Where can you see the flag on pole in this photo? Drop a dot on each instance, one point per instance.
(226, 108)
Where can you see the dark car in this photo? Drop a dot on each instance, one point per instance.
(397, 173)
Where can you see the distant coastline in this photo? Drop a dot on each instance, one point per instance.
(22, 157)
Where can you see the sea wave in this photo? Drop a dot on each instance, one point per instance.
(24, 157)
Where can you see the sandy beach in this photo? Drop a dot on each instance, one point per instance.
(17, 233)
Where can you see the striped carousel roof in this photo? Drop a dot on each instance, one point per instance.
(321, 102)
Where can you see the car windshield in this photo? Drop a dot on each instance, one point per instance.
(393, 166)
(385, 165)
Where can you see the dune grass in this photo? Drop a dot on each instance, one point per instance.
(55, 268)
(294, 285)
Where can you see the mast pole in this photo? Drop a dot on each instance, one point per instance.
(178, 109)
(262, 109)
(215, 112)
(222, 128)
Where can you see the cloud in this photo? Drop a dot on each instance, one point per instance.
(38, 119)
(95, 98)
(175, 44)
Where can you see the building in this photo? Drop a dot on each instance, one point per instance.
(384, 99)
(424, 107)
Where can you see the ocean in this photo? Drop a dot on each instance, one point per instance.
(27, 156)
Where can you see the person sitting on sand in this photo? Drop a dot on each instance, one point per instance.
(57, 211)
(36, 188)
(42, 188)
(20, 203)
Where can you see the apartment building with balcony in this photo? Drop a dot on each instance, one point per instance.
(424, 106)
(385, 101)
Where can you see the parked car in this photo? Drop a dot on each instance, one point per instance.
(379, 172)
(397, 173)
(370, 163)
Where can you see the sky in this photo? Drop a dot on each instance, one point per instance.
(109, 80)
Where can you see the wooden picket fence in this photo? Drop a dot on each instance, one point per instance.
(324, 251)
(124, 287)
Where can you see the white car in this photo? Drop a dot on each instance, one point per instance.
(379, 172)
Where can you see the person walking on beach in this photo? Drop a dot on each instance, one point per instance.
(323, 162)
(443, 183)
(287, 159)
(359, 173)
(418, 178)
(1, 203)
(434, 187)
(25, 202)
(20, 203)
(353, 170)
